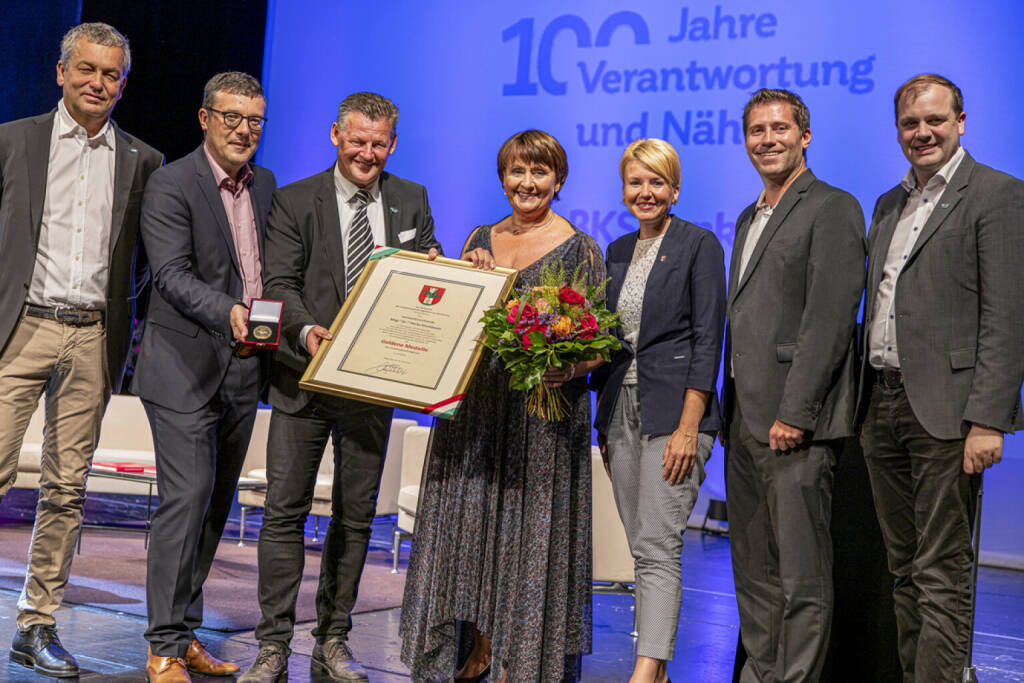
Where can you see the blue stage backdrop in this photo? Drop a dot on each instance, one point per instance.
(598, 74)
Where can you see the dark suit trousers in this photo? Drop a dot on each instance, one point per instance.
(199, 456)
(295, 446)
(925, 504)
(780, 508)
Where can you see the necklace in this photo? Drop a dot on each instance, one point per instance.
(518, 229)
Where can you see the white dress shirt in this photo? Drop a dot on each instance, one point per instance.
(345, 192)
(883, 351)
(73, 255)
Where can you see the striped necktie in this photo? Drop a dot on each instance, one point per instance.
(360, 241)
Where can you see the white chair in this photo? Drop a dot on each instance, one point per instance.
(414, 454)
(124, 437)
(254, 467)
(613, 563)
(387, 495)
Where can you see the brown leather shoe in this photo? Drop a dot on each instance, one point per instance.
(198, 660)
(166, 669)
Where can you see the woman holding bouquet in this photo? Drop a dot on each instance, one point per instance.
(657, 407)
(502, 551)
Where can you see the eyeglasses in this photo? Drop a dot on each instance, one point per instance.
(233, 118)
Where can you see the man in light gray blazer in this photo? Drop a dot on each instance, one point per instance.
(944, 361)
(797, 274)
(203, 223)
(71, 186)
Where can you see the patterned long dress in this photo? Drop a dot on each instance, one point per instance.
(503, 524)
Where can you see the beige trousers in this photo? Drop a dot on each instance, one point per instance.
(68, 363)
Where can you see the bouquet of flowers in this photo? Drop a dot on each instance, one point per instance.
(556, 324)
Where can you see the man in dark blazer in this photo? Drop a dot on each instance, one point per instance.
(71, 185)
(320, 232)
(796, 278)
(203, 225)
(943, 365)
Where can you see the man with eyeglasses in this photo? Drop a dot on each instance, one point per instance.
(70, 183)
(203, 222)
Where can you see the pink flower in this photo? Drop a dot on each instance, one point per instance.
(570, 296)
(587, 327)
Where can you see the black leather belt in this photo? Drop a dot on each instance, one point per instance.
(892, 379)
(78, 317)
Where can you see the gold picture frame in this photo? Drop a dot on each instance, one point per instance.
(408, 333)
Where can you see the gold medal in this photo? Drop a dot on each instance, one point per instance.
(262, 332)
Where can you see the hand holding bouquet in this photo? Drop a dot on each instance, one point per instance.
(556, 324)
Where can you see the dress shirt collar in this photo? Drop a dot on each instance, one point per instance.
(762, 205)
(347, 189)
(944, 175)
(67, 127)
(224, 181)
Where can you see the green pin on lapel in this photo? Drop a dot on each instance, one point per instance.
(944, 205)
(393, 209)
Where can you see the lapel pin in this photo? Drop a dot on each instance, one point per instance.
(133, 150)
(944, 205)
(662, 258)
(393, 209)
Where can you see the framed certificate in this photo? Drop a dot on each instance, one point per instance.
(407, 334)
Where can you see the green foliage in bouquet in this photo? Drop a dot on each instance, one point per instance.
(555, 324)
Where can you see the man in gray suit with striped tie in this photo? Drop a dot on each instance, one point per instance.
(320, 232)
(943, 364)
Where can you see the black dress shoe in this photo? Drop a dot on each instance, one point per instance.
(333, 659)
(39, 648)
(475, 679)
(271, 666)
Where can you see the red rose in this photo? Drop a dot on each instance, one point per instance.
(528, 316)
(527, 343)
(587, 327)
(570, 296)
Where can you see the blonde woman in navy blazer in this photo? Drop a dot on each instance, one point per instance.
(657, 407)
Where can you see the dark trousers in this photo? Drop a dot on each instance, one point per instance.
(199, 456)
(925, 504)
(779, 513)
(295, 446)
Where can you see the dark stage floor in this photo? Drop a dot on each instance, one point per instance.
(110, 646)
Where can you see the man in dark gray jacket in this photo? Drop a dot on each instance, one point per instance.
(797, 274)
(71, 186)
(944, 360)
(320, 233)
(203, 222)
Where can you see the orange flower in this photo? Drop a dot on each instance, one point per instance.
(562, 326)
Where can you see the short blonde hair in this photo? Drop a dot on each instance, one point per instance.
(655, 154)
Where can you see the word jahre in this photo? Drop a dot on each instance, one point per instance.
(741, 26)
